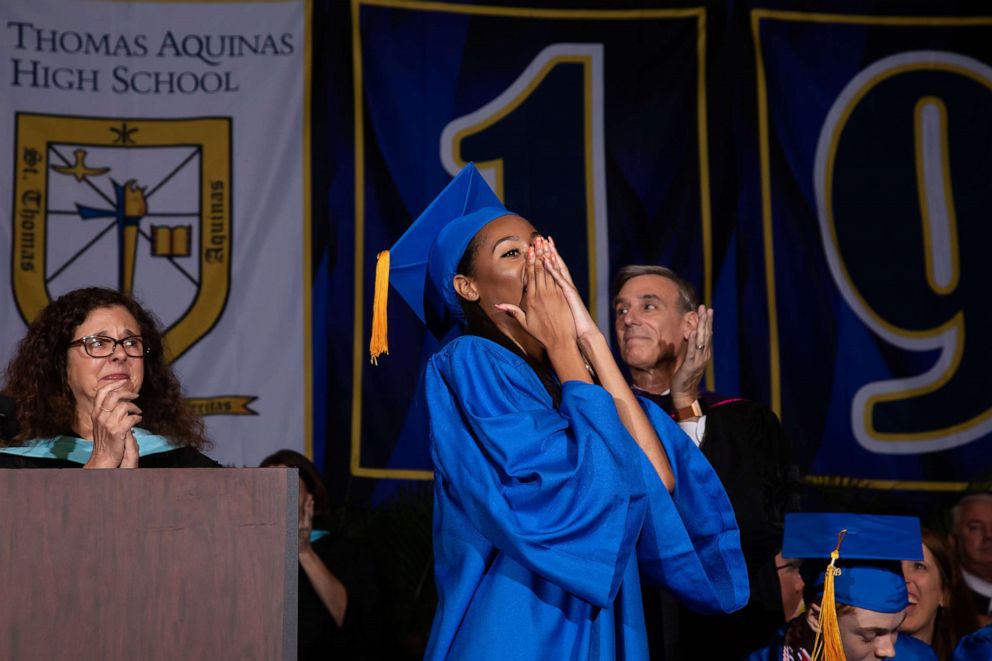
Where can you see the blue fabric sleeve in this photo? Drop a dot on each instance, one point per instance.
(773, 653)
(909, 648)
(690, 542)
(976, 645)
(559, 491)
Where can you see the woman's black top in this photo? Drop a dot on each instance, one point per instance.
(184, 457)
(319, 637)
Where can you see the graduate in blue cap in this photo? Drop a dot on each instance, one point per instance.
(855, 588)
(552, 487)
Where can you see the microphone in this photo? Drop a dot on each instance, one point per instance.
(8, 418)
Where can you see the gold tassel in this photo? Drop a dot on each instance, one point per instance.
(827, 646)
(379, 342)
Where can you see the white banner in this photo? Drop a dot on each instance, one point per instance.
(160, 148)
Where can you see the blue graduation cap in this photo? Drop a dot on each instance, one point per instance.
(852, 559)
(421, 264)
(870, 548)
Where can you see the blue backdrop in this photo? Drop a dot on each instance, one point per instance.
(821, 175)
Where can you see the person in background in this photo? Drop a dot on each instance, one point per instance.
(940, 609)
(93, 389)
(971, 539)
(338, 615)
(665, 338)
(791, 582)
(855, 590)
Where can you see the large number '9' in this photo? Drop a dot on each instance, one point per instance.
(904, 203)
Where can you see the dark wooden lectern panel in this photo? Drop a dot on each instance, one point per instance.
(148, 564)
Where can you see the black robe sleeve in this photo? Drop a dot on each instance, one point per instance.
(747, 447)
(359, 637)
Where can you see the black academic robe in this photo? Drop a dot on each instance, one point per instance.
(746, 445)
(359, 637)
(183, 457)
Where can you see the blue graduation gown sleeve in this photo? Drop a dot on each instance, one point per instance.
(698, 558)
(770, 653)
(542, 514)
(976, 645)
(559, 491)
(909, 648)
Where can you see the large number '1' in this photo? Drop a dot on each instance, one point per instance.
(539, 144)
(907, 244)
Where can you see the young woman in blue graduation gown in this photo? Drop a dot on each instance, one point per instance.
(554, 490)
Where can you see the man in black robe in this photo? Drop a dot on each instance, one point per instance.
(665, 338)
(971, 539)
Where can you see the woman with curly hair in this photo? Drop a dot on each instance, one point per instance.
(90, 369)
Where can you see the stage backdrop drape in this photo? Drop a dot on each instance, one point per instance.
(161, 148)
(557, 108)
(873, 166)
(820, 175)
(819, 171)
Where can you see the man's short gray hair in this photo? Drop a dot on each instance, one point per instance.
(980, 497)
(688, 300)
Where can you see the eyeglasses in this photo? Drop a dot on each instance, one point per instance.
(101, 346)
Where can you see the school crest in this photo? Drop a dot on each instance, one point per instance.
(134, 204)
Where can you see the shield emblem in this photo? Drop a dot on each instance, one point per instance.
(141, 205)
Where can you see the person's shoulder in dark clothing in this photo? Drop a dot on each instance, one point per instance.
(360, 636)
(738, 407)
(744, 433)
(17, 461)
(184, 457)
(747, 447)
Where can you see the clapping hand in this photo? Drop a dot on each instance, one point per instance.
(305, 520)
(114, 415)
(686, 379)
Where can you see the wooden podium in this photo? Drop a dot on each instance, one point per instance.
(148, 564)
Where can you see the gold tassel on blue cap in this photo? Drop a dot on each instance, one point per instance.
(379, 342)
(828, 646)
(437, 238)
